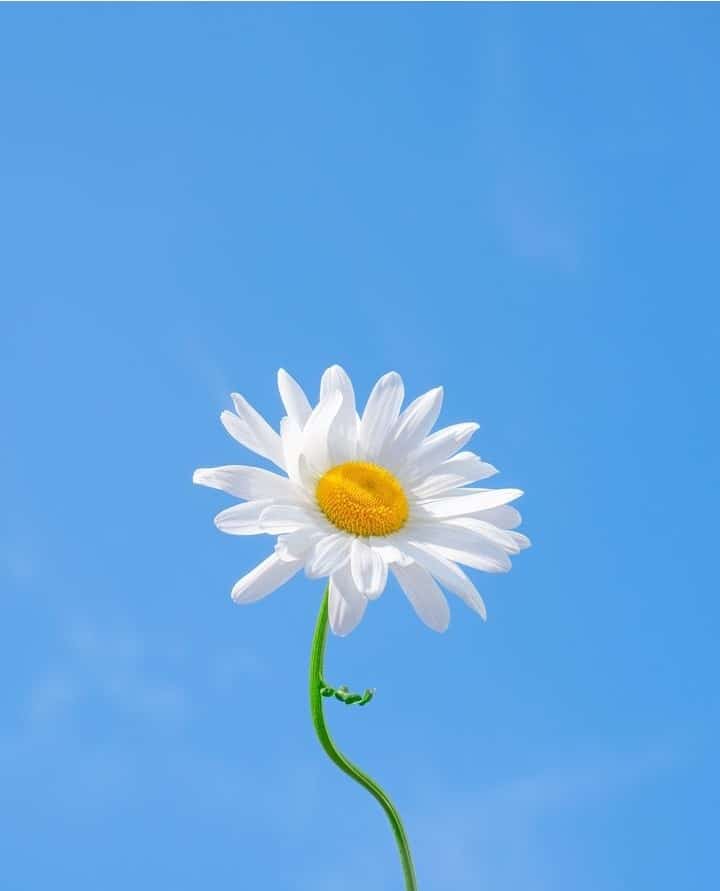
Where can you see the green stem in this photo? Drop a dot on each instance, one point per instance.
(317, 684)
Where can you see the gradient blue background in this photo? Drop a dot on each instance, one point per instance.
(518, 202)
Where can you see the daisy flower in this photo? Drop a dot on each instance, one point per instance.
(362, 495)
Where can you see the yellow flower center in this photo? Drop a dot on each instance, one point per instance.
(363, 499)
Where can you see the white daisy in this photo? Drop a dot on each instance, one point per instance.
(364, 494)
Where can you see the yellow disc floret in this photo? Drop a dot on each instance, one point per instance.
(362, 499)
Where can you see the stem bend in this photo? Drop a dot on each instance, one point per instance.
(317, 686)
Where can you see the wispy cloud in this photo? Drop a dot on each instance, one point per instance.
(505, 835)
(533, 224)
(18, 558)
(109, 719)
(228, 667)
(103, 666)
(50, 698)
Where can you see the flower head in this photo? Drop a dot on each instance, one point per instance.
(361, 495)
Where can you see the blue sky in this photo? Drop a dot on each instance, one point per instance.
(517, 202)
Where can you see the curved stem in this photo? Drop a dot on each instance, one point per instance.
(316, 707)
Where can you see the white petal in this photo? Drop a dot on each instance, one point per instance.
(308, 477)
(522, 541)
(294, 399)
(389, 552)
(250, 429)
(336, 378)
(242, 519)
(468, 465)
(316, 432)
(328, 555)
(462, 544)
(424, 594)
(278, 519)
(292, 440)
(295, 545)
(460, 470)
(412, 426)
(436, 485)
(456, 506)
(369, 570)
(342, 435)
(246, 482)
(264, 579)
(505, 517)
(448, 574)
(512, 542)
(434, 450)
(346, 605)
(381, 413)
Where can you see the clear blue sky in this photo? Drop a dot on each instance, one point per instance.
(517, 202)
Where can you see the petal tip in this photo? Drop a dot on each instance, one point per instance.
(235, 594)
